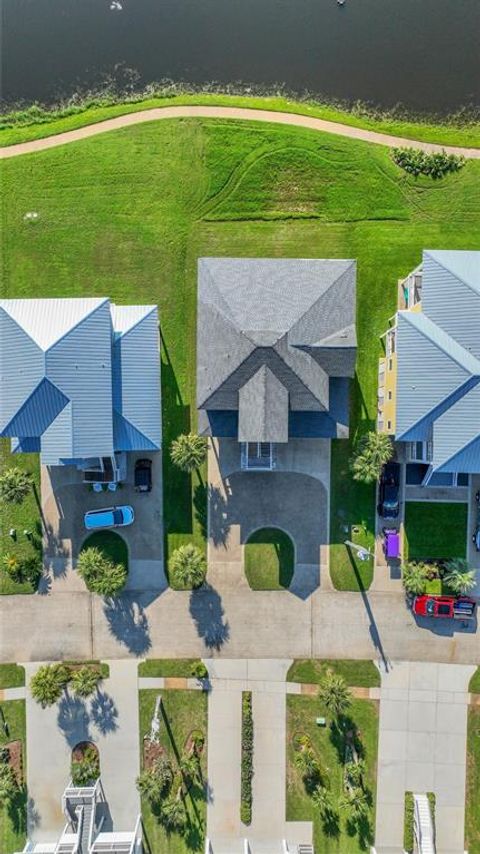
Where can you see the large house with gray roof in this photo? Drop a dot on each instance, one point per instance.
(429, 380)
(80, 381)
(276, 348)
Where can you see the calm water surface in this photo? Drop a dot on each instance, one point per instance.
(421, 53)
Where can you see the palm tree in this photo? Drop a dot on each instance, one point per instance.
(370, 455)
(190, 768)
(153, 782)
(355, 773)
(414, 576)
(188, 451)
(334, 693)
(87, 770)
(15, 484)
(187, 566)
(85, 680)
(8, 784)
(48, 683)
(355, 804)
(173, 814)
(322, 798)
(307, 763)
(99, 573)
(459, 577)
(12, 566)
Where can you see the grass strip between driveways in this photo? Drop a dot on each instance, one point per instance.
(472, 811)
(111, 544)
(182, 712)
(435, 530)
(168, 667)
(13, 818)
(11, 676)
(247, 759)
(358, 674)
(474, 686)
(20, 517)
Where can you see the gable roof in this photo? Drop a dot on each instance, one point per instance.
(438, 351)
(293, 317)
(58, 358)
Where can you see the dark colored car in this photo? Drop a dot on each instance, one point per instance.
(143, 476)
(447, 607)
(388, 491)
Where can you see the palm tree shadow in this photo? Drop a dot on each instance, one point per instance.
(207, 613)
(128, 623)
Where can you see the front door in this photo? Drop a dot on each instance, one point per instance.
(257, 456)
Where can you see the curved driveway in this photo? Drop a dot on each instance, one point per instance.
(228, 113)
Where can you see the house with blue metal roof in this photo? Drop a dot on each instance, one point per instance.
(80, 381)
(429, 388)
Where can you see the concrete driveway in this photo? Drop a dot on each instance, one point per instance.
(422, 748)
(65, 500)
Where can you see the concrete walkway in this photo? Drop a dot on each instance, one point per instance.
(292, 119)
(266, 680)
(422, 748)
(110, 720)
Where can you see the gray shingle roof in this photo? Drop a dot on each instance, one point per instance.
(438, 379)
(263, 409)
(295, 317)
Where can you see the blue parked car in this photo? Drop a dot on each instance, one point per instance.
(109, 517)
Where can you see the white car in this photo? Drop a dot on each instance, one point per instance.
(109, 517)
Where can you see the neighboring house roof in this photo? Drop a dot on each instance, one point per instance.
(58, 358)
(438, 351)
(270, 334)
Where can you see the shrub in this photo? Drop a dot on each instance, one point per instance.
(371, 453)
(15, 484)
(190, 769)
(154, 782)
(459, 577)
(85, 680)
(322, 798)
(100, 574)
(414, 577)
(199, 670)
(308, 765)
(48, 683)
(8, 784)
(188, 452)
(435, 164)
(23, 569)
(187, 566)
(247, 759)
(86, 770)
(173, 815)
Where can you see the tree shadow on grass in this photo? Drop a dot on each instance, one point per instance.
(17, 810)
(340, 732)
(207, 613)
(331, 825)
(128, 623)
(361, 827)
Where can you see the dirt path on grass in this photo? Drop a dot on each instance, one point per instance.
(228, 113)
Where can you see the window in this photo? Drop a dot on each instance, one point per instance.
(389, 395)
(389, 425)
(390, 364)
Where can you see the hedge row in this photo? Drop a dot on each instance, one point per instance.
(247, 758)
(417, 162)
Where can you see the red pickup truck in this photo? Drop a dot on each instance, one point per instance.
(462, 608)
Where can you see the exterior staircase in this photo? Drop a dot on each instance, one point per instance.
(424, 829)
(88, 816)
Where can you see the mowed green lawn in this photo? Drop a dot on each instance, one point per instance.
(435, 530)
(472, 815)
(13, 818)
(128, 214)
(19, 517)
(269, 557)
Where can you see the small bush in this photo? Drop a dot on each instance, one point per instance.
(23, 569)
(85, 680)
(155, 782)
(100, 574)
(199, 670)
(415, 577)
(188, 452)
(86, 771)
(8, 784)
(417, 162)
(15, 484)
(48, 683)
(187, 567)
(247, 758)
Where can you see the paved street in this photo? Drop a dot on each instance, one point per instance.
(233, 624)
(110, 720)
(422, 748)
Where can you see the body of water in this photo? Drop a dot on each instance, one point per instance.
(423, 54)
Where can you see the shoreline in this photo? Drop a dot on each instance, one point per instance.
(86, 115)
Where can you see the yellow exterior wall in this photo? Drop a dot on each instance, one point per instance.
(389, 406)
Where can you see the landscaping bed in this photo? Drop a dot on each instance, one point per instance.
(435, 530)
(269, 559)
(247, 759)
(110, 543)
(328, 748)
(361, 674)
(13, 818)
(182, 713)
(22, 517)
